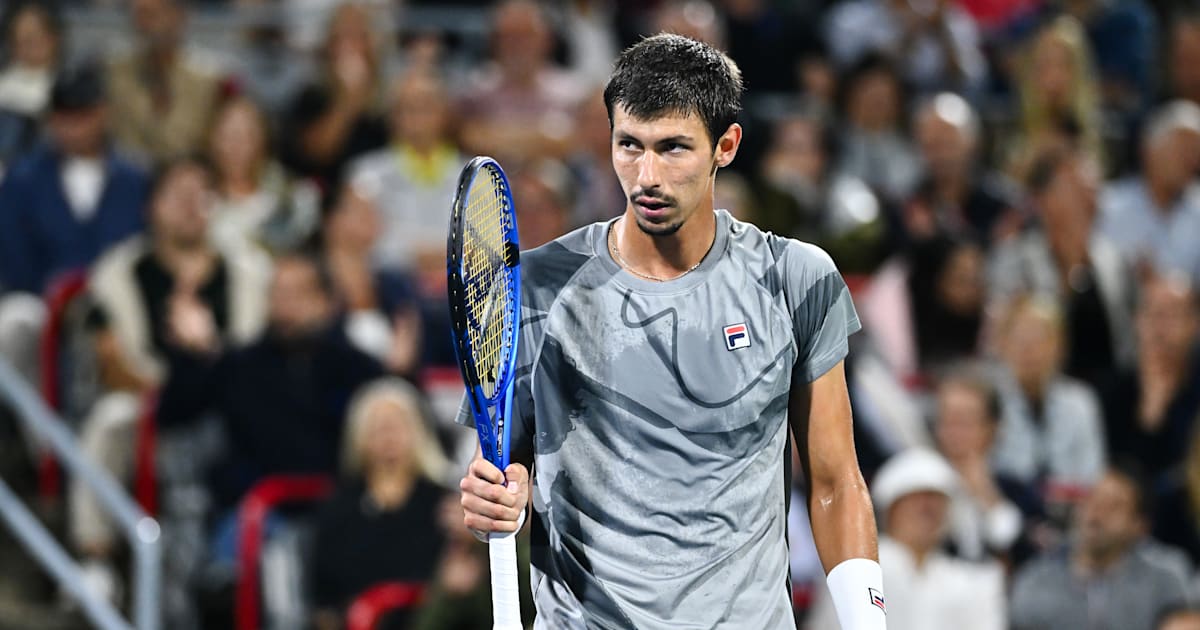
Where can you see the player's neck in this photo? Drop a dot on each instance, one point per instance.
(665, 256)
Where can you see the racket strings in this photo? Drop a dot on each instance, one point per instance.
(488, 285)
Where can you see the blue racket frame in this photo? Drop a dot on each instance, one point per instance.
(494, 444)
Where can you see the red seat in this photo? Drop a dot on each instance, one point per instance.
(255, 507)
(369, 607)
(62, 292)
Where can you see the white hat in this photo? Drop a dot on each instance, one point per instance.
(914, 470)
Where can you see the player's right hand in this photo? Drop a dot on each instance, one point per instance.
(489, 503)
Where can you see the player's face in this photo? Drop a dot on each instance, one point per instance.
(667, 167)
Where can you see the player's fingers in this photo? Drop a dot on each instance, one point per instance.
(518, 474)
(484, 524)
(484, 508)
(483, 469)
(490, 492)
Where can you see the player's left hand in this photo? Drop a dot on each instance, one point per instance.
(493, 501)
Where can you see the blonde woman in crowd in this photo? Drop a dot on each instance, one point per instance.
(382, 525)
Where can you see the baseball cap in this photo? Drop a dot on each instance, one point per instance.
(77, 87)
(914, 470)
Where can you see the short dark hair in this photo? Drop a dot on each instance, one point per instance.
(1133, 473)
(164, 171)
(672, 74)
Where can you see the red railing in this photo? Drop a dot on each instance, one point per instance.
(256, 506)
(58, 297)
(145, 475)
(372, 605)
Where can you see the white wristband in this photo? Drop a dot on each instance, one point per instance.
(856, 586)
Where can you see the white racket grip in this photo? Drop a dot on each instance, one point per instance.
(506, 602)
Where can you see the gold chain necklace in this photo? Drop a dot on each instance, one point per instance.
(612, 245)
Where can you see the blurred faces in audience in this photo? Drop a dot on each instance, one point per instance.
(1171, 151)
(966, 421)
(33, 38)
(542, 197)
(947, 134)
(159, 24)
(301, 303)
(238, 146)
(1032, 345)
(419, 116)
(874, 100)
(78, 120)
(1168, 320)
(1109, 521)
(1183, 58)
(521, 39)
(180, 208)
(387, 437)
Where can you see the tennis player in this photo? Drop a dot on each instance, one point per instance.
(663, 357)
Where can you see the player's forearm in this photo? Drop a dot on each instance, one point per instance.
(843, 522)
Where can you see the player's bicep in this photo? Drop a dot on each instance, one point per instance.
(821, 423)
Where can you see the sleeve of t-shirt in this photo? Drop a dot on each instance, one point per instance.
(823, 315)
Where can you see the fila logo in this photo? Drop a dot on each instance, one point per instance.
(737, 336)
(877, 600)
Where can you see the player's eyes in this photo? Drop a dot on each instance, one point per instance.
(675, 147)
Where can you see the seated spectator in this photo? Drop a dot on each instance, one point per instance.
(1102, 579)
(381, 313)
(935, 43)
(946, 290)
(281, 399)
(258, 204)
(162, 95)
(926, 589)
(873, 146)
(542, 197)
(337, 117)
(60, 207)
(520, 106)
(1057, 87)
(1152, 218)
(1065, 261)
(412, 180)
(1180, 618)
(1182, 80)
(1051, 432)
(1151, 409)
(956, 196)
(598, 194)
(32, 44)
(382, 524)
(802, 193)
(986, 515)
(147, 292)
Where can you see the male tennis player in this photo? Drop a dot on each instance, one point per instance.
(662, 356)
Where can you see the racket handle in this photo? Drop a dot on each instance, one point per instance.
(506, 602)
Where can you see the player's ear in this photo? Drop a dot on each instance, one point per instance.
(727, 145)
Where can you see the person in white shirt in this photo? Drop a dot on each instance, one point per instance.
(926, 588)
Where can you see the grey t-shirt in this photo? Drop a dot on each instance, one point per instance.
(656, 418)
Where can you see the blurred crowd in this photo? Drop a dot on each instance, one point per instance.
(1009, 188)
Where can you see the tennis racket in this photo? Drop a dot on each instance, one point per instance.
(484, 288)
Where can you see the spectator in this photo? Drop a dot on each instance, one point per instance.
(542, 196)
(1153, 217)
(162, 95)
(803, 194)
(381, 317)
(382, 523)
(294, 380)
(1183, 57)
(33, 51)
(60, 207)
(873, 147)
(412, 180)
(934, 43)
(946, 291)
(956, 196)
(1052, 432)
(338, 116)
(1058, 90)
(986, 516)
(598, 194)
(258, 204)
(1065, 261)
(772, 43)
(1151, 408)
(1122, 36)
(521, 105)
(926, 589)
(149, 293)
(1102, 579)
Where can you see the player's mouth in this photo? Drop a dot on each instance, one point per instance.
(652, 208)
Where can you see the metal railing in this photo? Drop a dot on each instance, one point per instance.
(142, 531)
